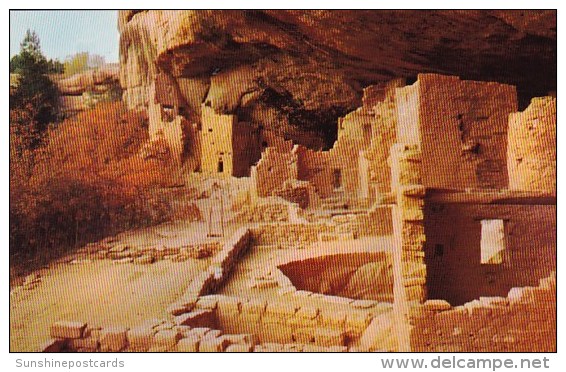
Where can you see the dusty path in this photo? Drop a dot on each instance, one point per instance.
(103, 292)
(100, 293)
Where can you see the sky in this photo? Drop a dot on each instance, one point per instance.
(64, 33)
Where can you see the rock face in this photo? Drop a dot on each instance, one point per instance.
(84, 89)
(98, 80)
(298, 71)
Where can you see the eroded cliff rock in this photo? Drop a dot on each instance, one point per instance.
(298, 71)
(85, 89)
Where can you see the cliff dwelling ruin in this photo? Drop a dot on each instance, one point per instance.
(423, 219)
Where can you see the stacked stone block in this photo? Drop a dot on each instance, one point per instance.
(524, 321)
(209, 281)
(408, 225)
(276, 234)
(286, 322)
(531, 152)
(153, 336)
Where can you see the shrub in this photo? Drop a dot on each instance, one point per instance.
(87, 181)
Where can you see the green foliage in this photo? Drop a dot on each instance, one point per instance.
(33, 84)
(55, 67)
(43, 92)
(77, 63)
(30, 59)
(81, 62)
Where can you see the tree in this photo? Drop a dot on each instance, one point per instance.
(54, 66)
(30, 57)
(31, 45)
(82, 61)
(76, 63)
(33, 84)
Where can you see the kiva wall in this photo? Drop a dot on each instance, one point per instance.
(288, 322)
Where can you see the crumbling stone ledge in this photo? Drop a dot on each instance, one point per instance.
(129, 253)
(210, 280)
(154, 335)
(522, 321)
(280, 321)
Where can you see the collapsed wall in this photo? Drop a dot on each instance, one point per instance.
(273, 170)
(355, 167)
(531, 155)
(524, 320)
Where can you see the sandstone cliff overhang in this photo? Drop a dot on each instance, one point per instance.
(304, 69)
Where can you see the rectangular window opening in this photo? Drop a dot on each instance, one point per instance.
(492, 241)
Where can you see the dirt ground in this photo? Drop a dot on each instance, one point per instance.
(100, 293)
(104, 292)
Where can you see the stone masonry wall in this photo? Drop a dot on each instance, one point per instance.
(271, 172)
(315, 167)
(209, 281)
(175, 132)
(408, 258)
(217, 139)
(407, 104)
(463, 131)
(377, 154)
(346, 169)
(286, 322)
(531, 154)
(268, 209)
(273, 234)
(522, 321)
(453, 249)
(153, 335)
(375, 222)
